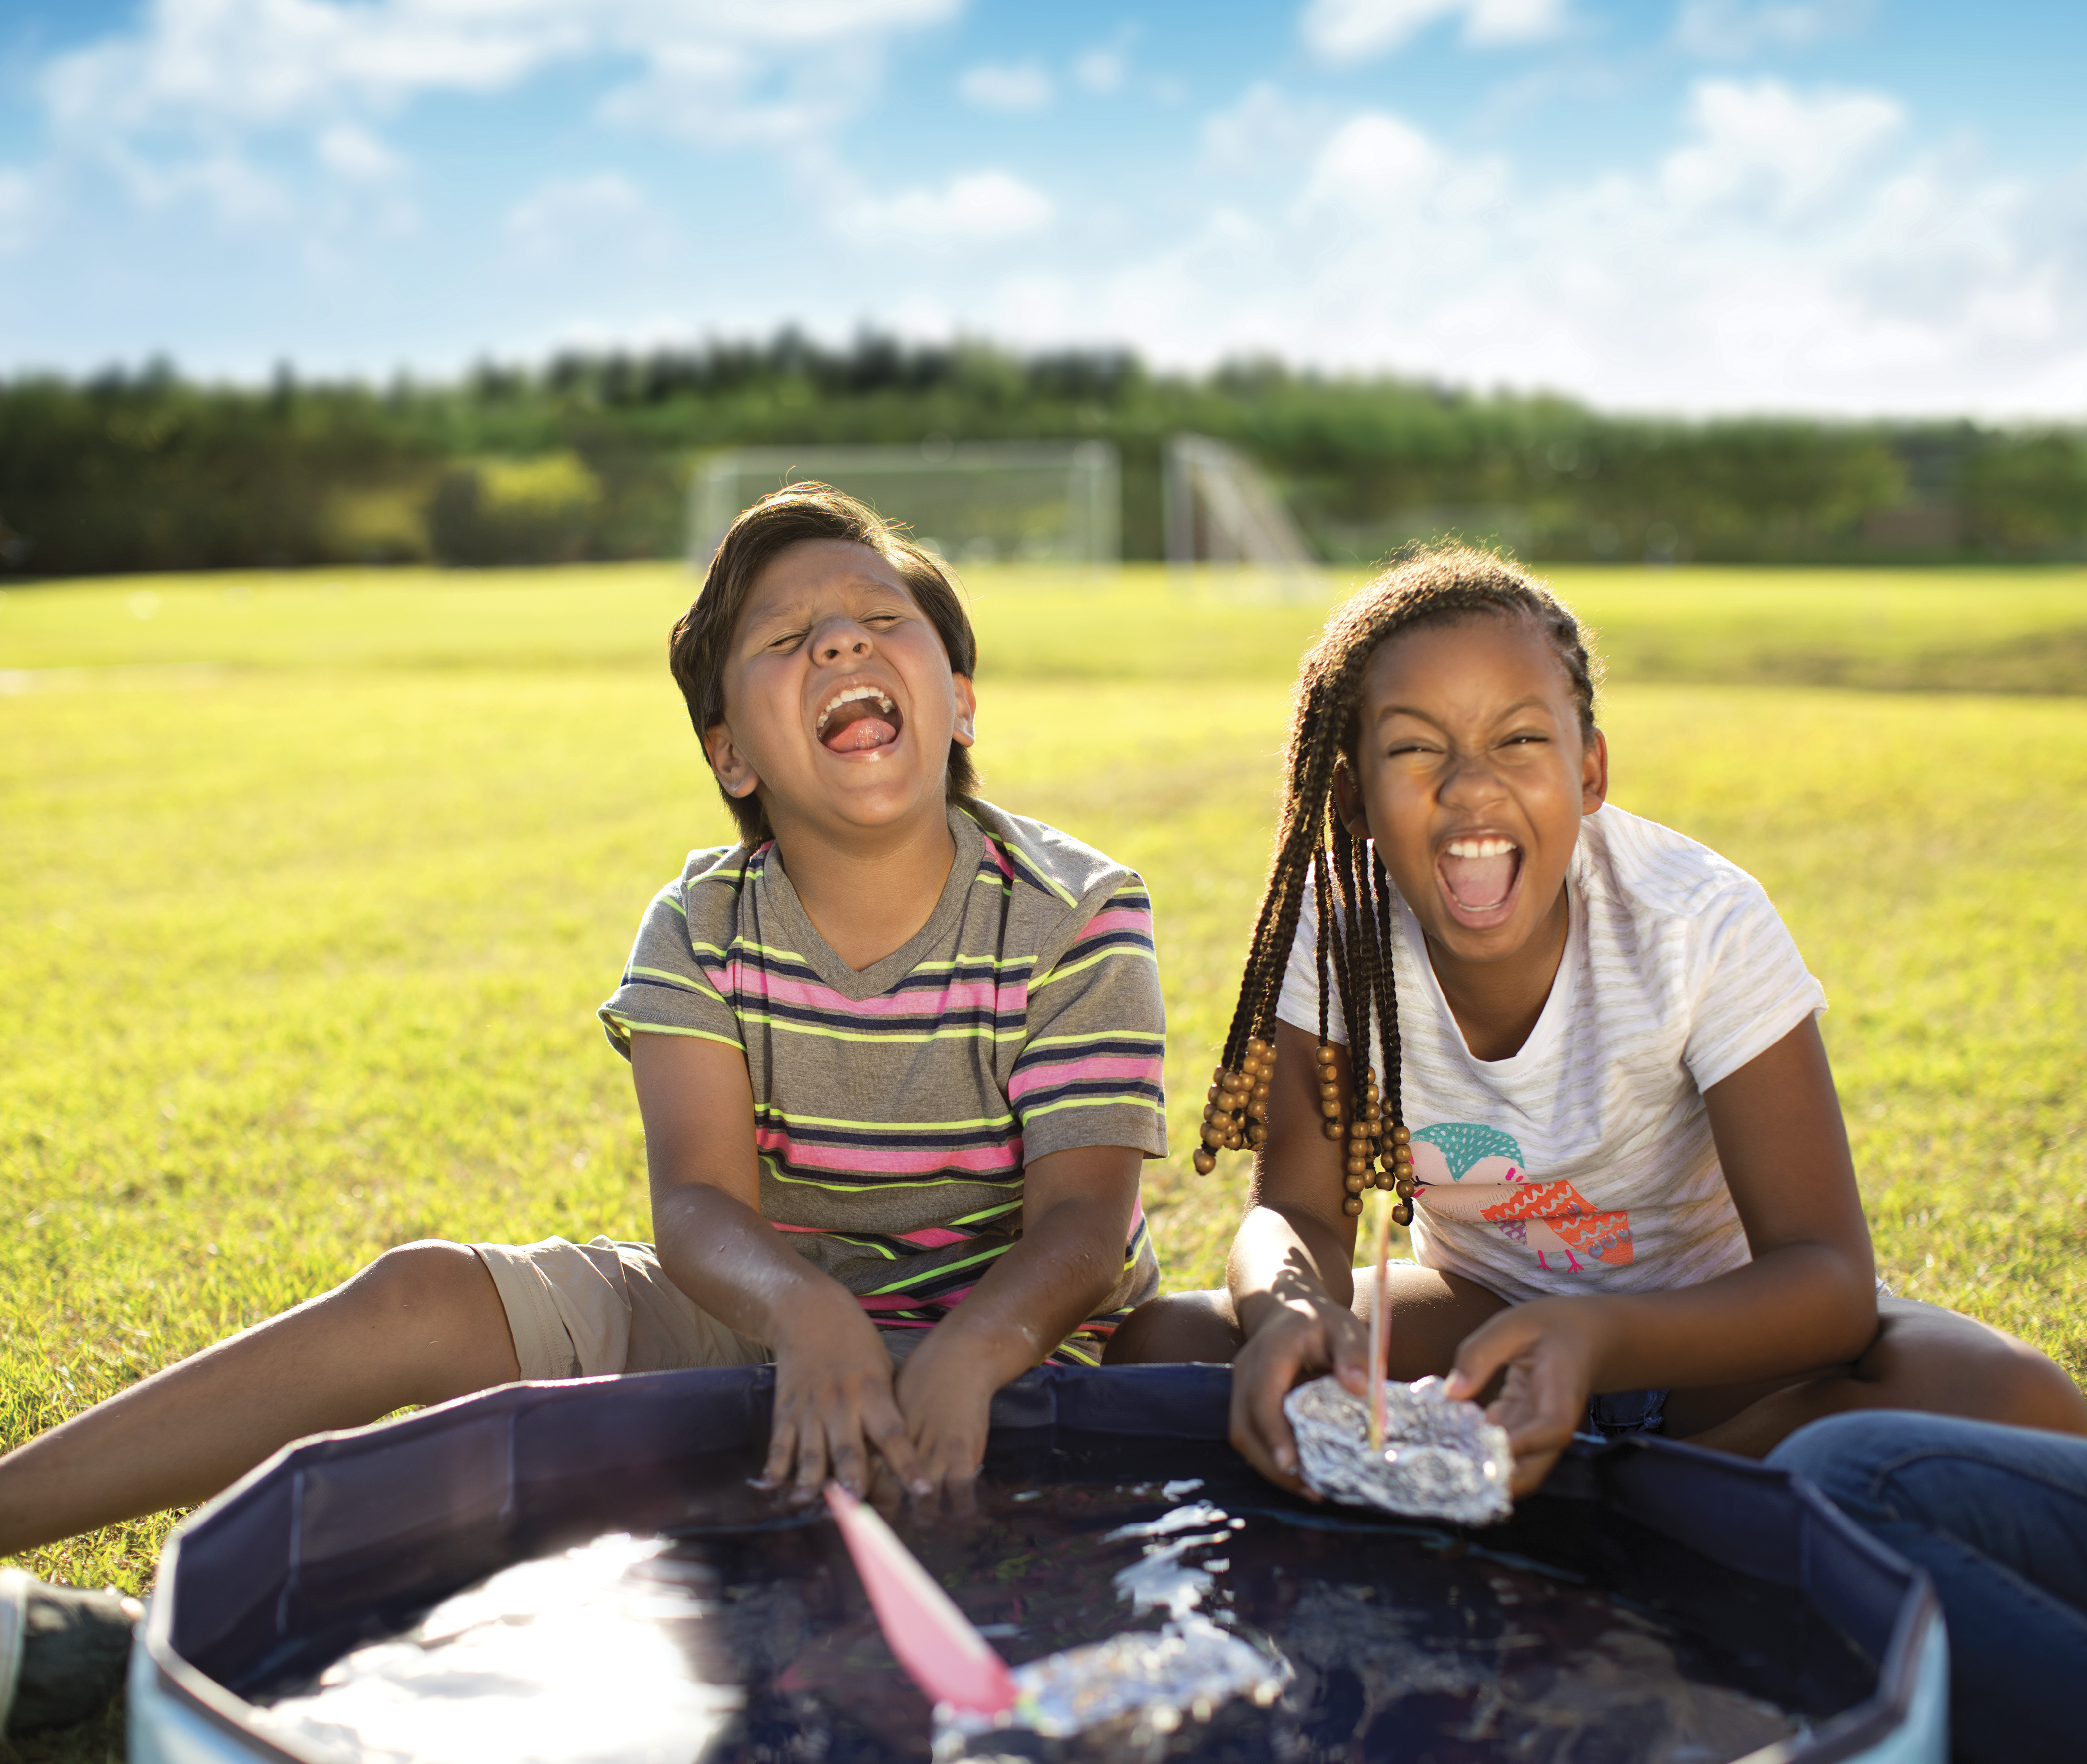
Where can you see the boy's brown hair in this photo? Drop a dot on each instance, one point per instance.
(702, 635)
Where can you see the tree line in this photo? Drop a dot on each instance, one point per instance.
(588, 456)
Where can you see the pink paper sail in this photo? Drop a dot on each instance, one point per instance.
(935, 1641)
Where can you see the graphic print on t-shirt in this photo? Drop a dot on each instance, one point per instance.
(1470, 1172)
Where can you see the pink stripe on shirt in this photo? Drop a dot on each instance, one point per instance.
(892, 1160)
(1117, 919)
(1043, 1074)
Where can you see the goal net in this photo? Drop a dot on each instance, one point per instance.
(981, 501)
(1222, 510)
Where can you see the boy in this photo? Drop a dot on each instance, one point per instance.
(897, 1055)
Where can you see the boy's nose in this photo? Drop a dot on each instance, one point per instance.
(839, 641)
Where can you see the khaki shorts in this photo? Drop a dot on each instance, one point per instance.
(579, 1310)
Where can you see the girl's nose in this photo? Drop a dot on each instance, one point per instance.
(1468, 777)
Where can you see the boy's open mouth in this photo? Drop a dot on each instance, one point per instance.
(858, 719)
(1478, 874)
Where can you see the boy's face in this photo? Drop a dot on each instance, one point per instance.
(840, 704)
(1472, 775)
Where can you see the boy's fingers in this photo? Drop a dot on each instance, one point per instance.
(851, 1469)
(782, 1452)
(887, 1431)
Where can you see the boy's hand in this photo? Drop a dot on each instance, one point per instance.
(947, 1402)
(1296, 1341)
(1547, 1349)
(833, 1404)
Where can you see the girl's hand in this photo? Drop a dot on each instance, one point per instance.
(1546, 1349)
(1295, 1341)
(834, 1403)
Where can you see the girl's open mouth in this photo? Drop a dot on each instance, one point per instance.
(1479, 876)
(858, 719)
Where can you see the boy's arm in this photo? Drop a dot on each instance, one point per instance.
(1076, 1212)
(833, 1395)
(1806, 1301)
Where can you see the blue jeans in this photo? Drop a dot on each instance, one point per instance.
(1998, 1516)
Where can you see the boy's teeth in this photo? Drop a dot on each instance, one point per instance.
(849, 697)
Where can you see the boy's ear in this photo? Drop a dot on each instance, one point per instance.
(1593, 772)
(966, 730)
(1348, 800)
(731, 766)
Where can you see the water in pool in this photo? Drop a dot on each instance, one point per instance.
(1567, 1636)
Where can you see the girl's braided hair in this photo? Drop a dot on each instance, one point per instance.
(1352, 893)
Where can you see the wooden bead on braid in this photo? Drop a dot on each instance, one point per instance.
(1322, 863)
(1235, 1115)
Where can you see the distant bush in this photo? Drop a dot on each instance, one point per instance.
(589, 459)
(515, 511)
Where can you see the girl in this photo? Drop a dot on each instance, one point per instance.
(1593, 1074)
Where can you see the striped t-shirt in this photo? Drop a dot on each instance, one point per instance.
(1584, 1163)
(895, 1106)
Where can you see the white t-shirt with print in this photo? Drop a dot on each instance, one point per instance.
(1584, 1163)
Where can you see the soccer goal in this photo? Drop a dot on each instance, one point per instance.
(1220, 510)
(979, 502)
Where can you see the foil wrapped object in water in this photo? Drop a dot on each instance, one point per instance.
(1441, 1459)
(1157, 1678)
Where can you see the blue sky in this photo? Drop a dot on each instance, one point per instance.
(1695, 205)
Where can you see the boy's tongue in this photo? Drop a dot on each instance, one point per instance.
(858, 726)
(1478, 882)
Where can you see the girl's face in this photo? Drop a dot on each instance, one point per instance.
(1471, 775)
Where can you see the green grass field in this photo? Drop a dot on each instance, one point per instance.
(311, 885)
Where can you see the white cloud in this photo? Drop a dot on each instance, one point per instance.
(1374, 163)
(357, 155)
(555, 206)
(220, 66)
(972, 208)
(1764, 143)
(1101, 71)
(20, 208)
(1789, 250)
(1727, 29)
(1016, 86)
(1267, 130)
(1356, 30)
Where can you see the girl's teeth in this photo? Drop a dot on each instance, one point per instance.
(1480, 847)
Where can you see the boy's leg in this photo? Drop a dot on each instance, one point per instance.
(422, 1324)
(1924, 1358)
(1998, 1516)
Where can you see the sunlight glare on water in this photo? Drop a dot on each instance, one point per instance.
(574, 1659)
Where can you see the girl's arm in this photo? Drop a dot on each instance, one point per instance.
(834, 1396)
(1077, 1207)
(1289, 1274)
(1807, 1301)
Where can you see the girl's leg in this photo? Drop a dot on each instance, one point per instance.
(1174, 1327)
(1432, 1314)
(1924, 1358)
(1998, 1516)
(422, 1324)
